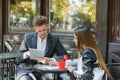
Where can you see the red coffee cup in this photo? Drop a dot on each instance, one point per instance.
(61, 64)
(66, 57)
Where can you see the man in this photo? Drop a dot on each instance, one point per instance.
(42, 40)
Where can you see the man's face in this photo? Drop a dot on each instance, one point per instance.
(42, 31)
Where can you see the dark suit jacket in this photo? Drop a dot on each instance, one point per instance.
(53, 46)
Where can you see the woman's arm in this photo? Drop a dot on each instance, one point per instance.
(88, 59)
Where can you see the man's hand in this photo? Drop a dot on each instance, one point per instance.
(44, 60)
(26, 54)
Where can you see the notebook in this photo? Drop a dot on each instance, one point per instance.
(35, 53)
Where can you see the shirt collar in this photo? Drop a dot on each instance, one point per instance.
(43, 39)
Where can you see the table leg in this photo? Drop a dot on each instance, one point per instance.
(2, 69)
(8, 69)
(57, 77)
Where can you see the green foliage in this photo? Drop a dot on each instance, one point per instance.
(17, 8)
(63, 5)
(91, 11)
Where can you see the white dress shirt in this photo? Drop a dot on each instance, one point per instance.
(41, 44)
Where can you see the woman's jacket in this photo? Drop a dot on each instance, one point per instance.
(86, 65)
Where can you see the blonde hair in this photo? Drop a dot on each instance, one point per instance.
(39, 20)
(84, 35)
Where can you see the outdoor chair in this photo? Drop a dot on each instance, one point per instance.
(114, 69)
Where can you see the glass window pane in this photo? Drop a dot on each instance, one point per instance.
(66, 15)
(21, 15)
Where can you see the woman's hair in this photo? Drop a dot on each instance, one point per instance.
(39, 20)
(85, 36)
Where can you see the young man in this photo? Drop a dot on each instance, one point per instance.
(48, 43)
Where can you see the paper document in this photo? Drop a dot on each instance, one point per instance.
(35, 53)
(51, 67)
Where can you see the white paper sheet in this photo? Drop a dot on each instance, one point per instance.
(35, 53)
(51, 67)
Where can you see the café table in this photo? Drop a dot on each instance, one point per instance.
(8, 61)
(49, 69)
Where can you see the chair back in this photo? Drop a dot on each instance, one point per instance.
(9, 45)
(114, 69)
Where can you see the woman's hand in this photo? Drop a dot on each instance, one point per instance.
(53, 62)
(70, 68)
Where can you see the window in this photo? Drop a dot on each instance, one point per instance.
(21, 15)
(66, 15)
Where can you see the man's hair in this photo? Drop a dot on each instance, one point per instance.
(39, 20)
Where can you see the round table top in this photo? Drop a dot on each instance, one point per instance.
(7, 55)
(48, 68)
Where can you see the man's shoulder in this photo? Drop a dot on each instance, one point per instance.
(32, 34)
(50, 35)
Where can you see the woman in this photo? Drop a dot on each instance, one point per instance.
(90, 59)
